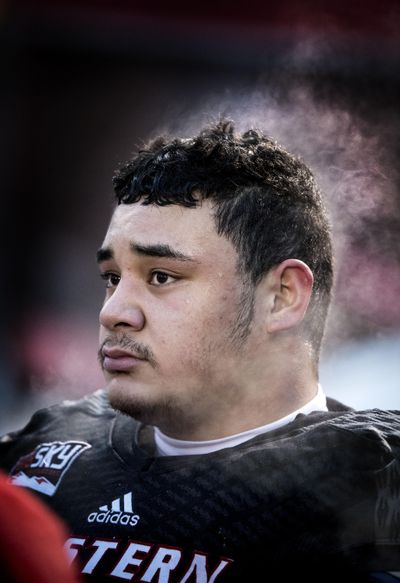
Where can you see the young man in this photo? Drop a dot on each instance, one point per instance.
(214, 454)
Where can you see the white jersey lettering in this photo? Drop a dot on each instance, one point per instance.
(199, 566)
(128, 558)
(102, 548)
(164, 561)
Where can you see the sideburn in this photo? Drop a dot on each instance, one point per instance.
(245, 315)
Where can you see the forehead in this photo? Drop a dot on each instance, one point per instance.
(190, 230)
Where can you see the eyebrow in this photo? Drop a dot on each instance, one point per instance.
(104, 254)
(160, 250)
(156, 250)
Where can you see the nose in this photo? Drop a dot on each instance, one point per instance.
(122, 310)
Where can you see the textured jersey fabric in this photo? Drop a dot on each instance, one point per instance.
(317, 499)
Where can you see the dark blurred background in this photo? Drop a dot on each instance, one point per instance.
(84, 82)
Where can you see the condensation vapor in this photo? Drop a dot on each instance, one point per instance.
(352, 158)
(346, 154)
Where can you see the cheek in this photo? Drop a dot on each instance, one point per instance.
(185, 342)
(197, 347)
(192, 329)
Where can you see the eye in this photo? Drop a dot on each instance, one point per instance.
(111, 279)
(160, 278)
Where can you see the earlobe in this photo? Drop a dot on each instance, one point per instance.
(291, 282)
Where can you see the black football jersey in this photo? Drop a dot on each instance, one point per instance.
(315, 500)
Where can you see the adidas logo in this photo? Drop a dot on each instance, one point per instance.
(120, 512)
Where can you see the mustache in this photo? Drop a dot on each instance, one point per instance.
(129, 344)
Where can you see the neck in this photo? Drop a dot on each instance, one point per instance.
(167, 446)
(238, 413)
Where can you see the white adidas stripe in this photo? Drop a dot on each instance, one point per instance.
(128, 503)
(116, 504)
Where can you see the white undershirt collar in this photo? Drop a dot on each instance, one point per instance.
(170, 446)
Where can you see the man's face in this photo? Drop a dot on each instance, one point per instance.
(176, 326)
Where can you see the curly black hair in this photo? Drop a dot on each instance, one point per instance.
(266, 200)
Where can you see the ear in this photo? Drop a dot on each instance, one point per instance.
(291, 284)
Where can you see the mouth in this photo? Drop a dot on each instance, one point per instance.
(117, 360)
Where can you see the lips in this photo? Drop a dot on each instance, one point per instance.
(117, 360)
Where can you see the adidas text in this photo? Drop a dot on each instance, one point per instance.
(119, 512)
(114, 518)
